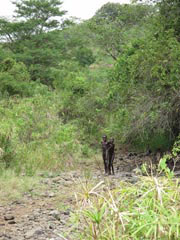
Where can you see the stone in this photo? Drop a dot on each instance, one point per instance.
(17, 202)
(57, 179)
(38, 231)
(51, 226)
(67, 212)
(9, 217)
(12, 222)
(55, 214)
(51, 195)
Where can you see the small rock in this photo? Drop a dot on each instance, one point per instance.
(45, 181)
(133, 180)
(63, 222)
(9, 217)
(50, 175)
(57, 179)
(38, 231)
(6, 236)
(51, 195)
(16, 202)
(12, 222)
(55, 214)
(31, 218)
(66, 212)
(51, 226)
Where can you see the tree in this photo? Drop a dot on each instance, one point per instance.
(32, 17)
(170, 15)
(114, 24)
(33, 36)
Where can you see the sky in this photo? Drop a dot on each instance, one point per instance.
(83, 9)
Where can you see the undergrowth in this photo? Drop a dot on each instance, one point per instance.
(33, 136)
(147, 210)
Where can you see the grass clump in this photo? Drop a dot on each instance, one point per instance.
(148, 210)
(13, 187)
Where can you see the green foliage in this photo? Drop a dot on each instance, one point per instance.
(136, 100)
(146, 210)
(95, 215)
(32, 37)
(7, 151)
(40, 53)
(148, 69)
(80, 90)
(33, 136)
(113, 25)
(169, 161)
(38, 17)
(169, 16)
(14, 78)
(163, 166)
(176, 147)
(85, 56)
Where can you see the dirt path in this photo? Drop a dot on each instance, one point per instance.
(41, 213)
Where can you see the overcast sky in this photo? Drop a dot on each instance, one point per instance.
(83, 9)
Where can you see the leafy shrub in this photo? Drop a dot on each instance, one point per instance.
(33, 137)
(85, 56)
(14, 78)
(145, 82)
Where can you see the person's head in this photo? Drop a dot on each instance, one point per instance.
(104, 138)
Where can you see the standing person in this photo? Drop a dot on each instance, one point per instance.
(104, 145)
(110, 155)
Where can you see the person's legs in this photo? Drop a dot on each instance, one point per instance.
(109, 164)
(105, 162)
(112, 168)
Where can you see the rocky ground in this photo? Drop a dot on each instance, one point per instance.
(45, 214)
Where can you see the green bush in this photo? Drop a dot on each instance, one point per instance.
(14, 78)
(84, 56)
(33, 137)
(145, 82)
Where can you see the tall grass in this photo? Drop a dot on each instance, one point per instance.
(147, 210)
(33, 137)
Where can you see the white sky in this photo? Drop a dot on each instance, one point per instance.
(83, 9)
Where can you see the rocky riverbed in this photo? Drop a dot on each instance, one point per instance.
(45, 213)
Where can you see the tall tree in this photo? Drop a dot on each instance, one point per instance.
(113, 23)
(33, 35)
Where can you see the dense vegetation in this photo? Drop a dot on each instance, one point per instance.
(64, 83)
